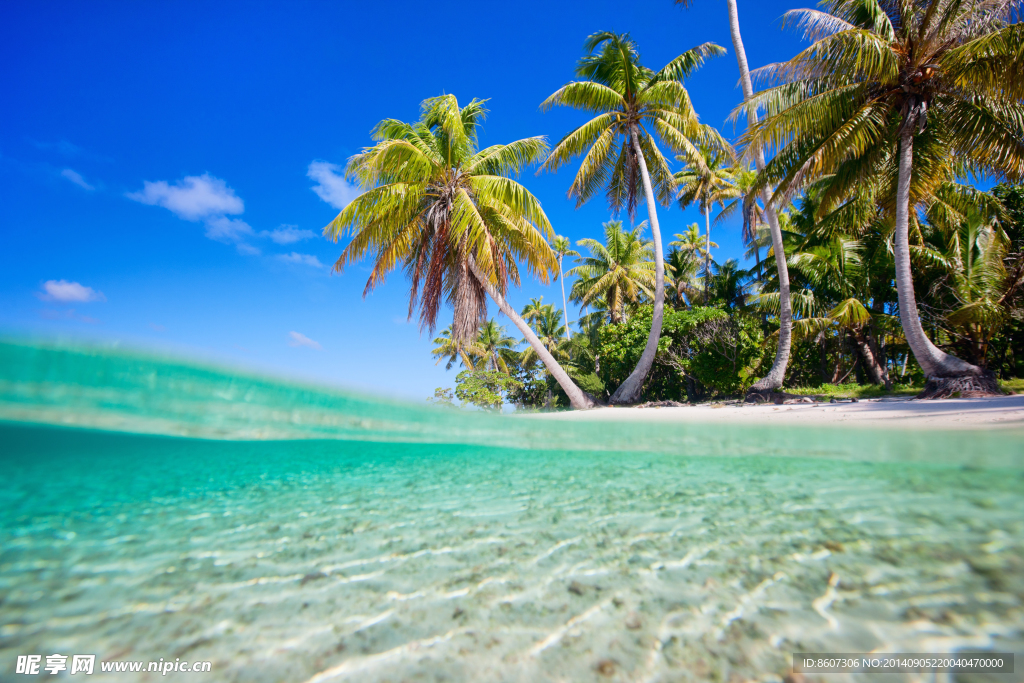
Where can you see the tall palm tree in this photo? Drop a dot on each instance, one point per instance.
(621, 153)
(562, 248)
(495, 348)
(773, 380)
(909, 90)
(452, 217)
(620, 271)
(706, 180)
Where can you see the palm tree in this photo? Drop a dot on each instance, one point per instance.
(452, 349)
(773, 380)
(495, 348)
(731, 284)
(562, 248)
(453, 218)
(534, 309)
(618, 149)
(685, 284)
(551, 333)
(620, 271)
(964, 253)
(707, 181)
(692, 242)
(912, 92)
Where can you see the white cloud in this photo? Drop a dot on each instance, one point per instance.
(193, 198)
(331, 184)
(76, 178)
(297, 339)
(62, 290)
(247, 249)
(288, 234)
(224, 229)
(303, 259)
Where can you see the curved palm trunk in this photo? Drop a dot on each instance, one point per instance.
(937, 364)
(773, 380)
(629, 391)
(565, 308)
(578, 398)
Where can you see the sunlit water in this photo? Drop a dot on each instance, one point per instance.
(152, 509)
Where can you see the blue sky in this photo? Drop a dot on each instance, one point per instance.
(166, 168)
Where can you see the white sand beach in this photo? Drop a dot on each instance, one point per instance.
(902, 413)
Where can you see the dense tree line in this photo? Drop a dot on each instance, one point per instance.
(874, 260)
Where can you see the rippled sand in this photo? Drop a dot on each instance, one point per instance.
(296, 561)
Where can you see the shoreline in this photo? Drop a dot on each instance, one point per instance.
(1000, 412)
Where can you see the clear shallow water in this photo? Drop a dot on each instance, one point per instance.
(313, 535)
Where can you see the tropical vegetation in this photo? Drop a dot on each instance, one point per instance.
(879, 257)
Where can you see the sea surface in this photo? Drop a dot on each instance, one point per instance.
(157, 509)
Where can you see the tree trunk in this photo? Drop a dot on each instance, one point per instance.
(629, 391)
(565, 308)
(578, 398)
(876, 343)
(946, 374)
(869, 359)
(707, 257)
(773, 380)
(822, 358)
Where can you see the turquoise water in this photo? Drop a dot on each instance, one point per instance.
(155, 509)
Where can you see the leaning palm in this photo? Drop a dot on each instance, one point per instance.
(621, 271)
(618, 145)
(452, 217)
(562, 248)
(912, 92)
(773, 380)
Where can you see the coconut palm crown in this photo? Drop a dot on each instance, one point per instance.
(911, 91)
(620, 271)
(439, 205)
(451, 216)
(627, 97)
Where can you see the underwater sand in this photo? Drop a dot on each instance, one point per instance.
(451, 548)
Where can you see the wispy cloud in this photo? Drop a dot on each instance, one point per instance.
(77, 179)
(301, 259)
(297, 339)
(210, 200)
(228, 230)
(192, 198)
(288, 234)
(64, 291)
(331, 184)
